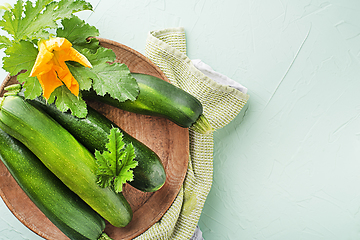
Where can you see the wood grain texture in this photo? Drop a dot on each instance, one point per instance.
(165, 138)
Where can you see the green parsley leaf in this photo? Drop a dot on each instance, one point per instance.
(125, 174)
(115, 165)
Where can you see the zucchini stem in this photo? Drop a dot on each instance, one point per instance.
(13, 89)
(202, 125)
(1, 102)
(104, 236)
(16, 87)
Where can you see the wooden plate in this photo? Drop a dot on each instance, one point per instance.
(168, 140)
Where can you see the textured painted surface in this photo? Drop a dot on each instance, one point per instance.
(288, 166)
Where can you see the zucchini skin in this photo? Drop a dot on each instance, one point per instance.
(60, 152)
(157, 98)
(93, 131)
(63, 207)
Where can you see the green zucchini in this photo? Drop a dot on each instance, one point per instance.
(59, 204)
(60, 152)
(160, 98)
(92, 132)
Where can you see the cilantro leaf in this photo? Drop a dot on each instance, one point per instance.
(115, 165)
(65, 100)
(77, 32)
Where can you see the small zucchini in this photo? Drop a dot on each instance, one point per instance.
(92, 132)
(62, 154)
(60, 205)
(160, 98)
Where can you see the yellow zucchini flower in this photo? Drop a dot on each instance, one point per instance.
(50, 68)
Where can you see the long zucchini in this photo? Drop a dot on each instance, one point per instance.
(160, 98)
(60, 205)
(60, 152)
(92, 132)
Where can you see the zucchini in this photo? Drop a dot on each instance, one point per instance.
(160, 98)
(60, 205)
(60, 152)
(92, 132)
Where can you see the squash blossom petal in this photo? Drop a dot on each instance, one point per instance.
(50, 67)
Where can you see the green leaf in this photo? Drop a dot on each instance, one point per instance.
(115, 145)
(26, 21)
(77, 32)
(20, 56)
(81, 74)
(28, 24)
(114, 79)
(4, 42)
(65, 100)
(65, 8)
(11, 18)
(125, 173)
(115, 165)
(5, 6)
(31, 85)
(53, 12)
(104, 173)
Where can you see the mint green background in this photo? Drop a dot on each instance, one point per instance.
(288, 167)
